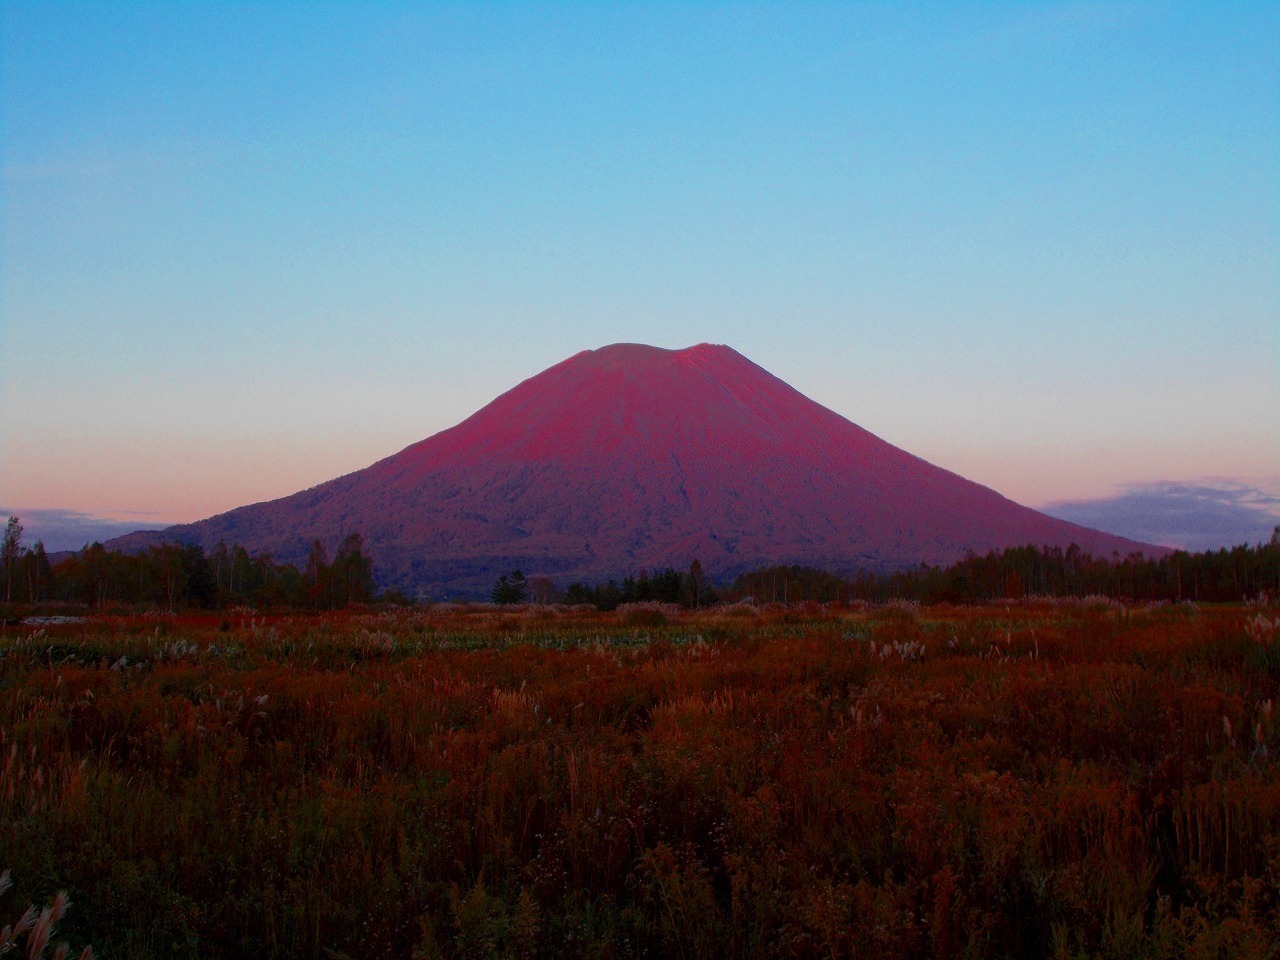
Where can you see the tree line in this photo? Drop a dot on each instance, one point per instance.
(667, 585)
(1214, 576)
(176, 575)
(1235, 574)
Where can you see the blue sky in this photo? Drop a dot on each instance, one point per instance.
(244, 249)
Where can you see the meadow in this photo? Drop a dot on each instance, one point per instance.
(1035, 778)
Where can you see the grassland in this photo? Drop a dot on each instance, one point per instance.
(1033, 779)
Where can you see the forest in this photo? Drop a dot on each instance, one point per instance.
(183, 576)
(1225, 575)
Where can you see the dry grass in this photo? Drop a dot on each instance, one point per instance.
(1028, 779)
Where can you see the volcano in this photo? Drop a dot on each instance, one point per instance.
(632, 457)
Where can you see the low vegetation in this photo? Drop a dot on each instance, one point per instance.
(1073, 777)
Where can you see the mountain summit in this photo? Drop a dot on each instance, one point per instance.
(632, 457)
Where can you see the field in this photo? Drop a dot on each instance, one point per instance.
(1032, 779)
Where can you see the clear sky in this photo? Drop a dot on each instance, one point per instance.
(247, 248)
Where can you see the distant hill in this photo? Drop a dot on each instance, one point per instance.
(632, 457)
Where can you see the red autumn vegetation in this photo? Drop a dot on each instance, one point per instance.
(1032, 779)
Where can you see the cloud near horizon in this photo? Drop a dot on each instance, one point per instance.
(71, 529)
(1209, 515)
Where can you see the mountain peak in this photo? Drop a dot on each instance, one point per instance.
(642, 354)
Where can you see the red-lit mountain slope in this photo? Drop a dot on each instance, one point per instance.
(631, 457)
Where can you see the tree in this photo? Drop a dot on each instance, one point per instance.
(201, 588)
(510, 588)
(223, 571)
(315, 579)
(542, 589)
(353, 571)
(246, 575)
(9, 553)
(39, 574)
(169, 563)
(695, 580)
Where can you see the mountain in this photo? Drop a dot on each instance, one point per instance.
(632, 457)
